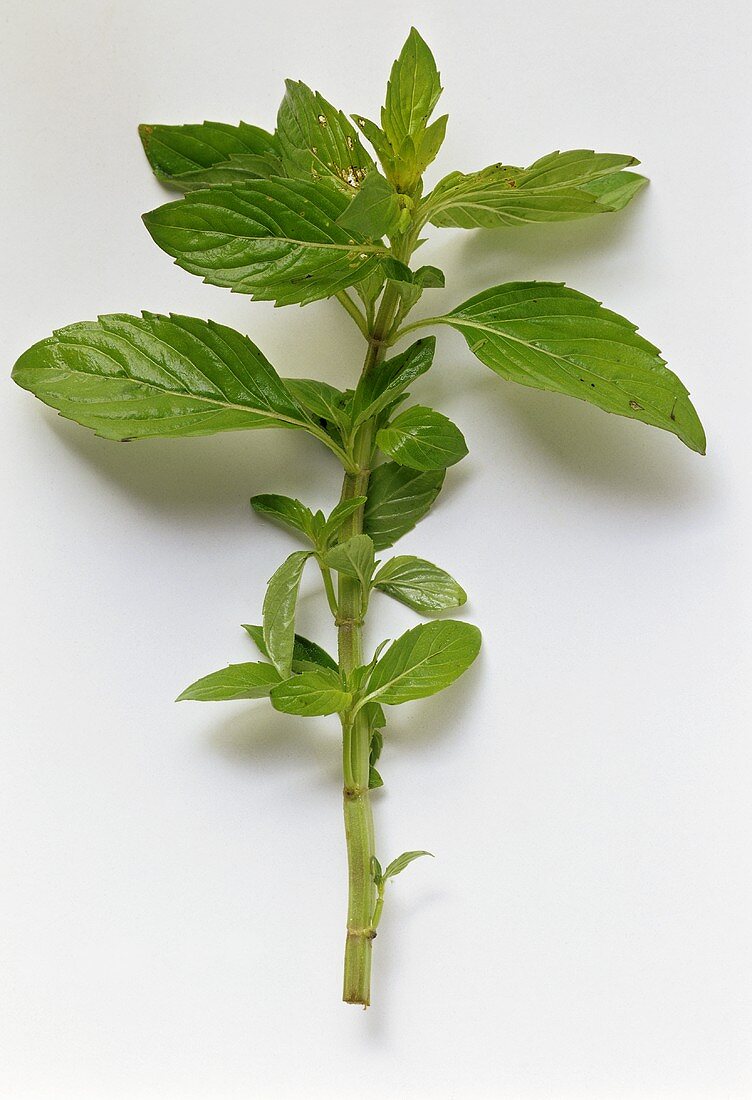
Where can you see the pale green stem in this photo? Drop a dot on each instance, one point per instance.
(356, 733)
(345, 300)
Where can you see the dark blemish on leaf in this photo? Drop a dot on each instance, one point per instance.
(635, 405)
(322, 120)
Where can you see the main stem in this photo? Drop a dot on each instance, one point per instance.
(356, 733)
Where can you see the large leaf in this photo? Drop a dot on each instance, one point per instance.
(130, 377)
(422, 439)
(419, 584)
(252, 680)
(379, 387)
(318, 141)
(397, 498)
(208, 153)
(316, 692)
(558, 187)
(304, 651)
(277, 240)
(550, 337)
(424, 660)
(279, 611)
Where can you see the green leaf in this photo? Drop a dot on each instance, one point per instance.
(375, 211)
(422, 439)
(398, 498)
(240, 168)
(131, 377)
(401, 862)
(558, 187)
(311, 693)
(424, 278)
(376, 873)
(279, 611)
(378, 388)
(284, 510)
(252, 680)
(429, 143)
(339, 514)
(617, 190)
(324, 403)
(419, 584)
(552, 338)
(412, 92)
(304, 651)
(187, 157)
(276, 240)
(353, 558)
(318, 141)
(424, 660)
(374, 778)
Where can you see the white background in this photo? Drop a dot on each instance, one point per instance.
(173, 877)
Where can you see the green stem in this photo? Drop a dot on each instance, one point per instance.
(344, 299)
(356, 733)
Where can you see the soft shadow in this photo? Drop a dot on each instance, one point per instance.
(204, 476)
(527, 252)
(603, 454)
(265, 740)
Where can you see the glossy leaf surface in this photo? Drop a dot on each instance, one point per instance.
(550, 337)
(276, 240)
(131, 377)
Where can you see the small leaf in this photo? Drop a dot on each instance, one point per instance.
(132, 377)
(304, 651)
(376, 873)
(353, 558)
(318, 141)
(276, 240)
(375, 210)
(378, 388)
(374, 779)
(424, 660)
(550, 337)
(419, 584)
(287, 511)
(339, 514)
(398, 498)
(310, 694)
(279, 611)
(323, 402)
(558, 187)
(395, 269)
(425, 278)
(377, 737)
(428, 145)
(252, 680)
(401, 862)
(185, 156)
(412, 93)
(422, 439)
